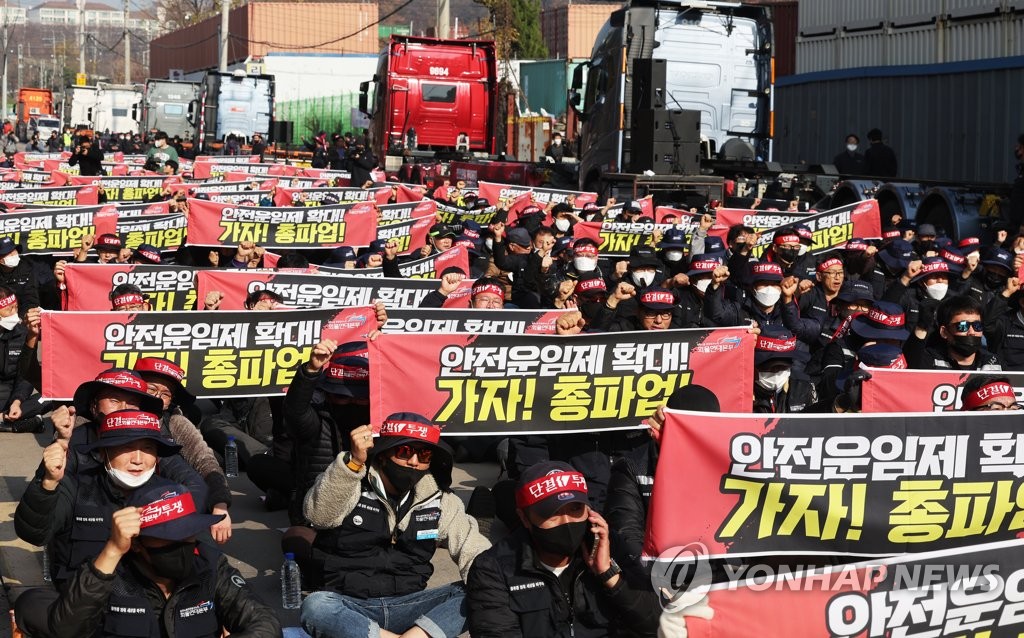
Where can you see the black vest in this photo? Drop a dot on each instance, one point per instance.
(95, 504)
(190, 609)
(365, 558)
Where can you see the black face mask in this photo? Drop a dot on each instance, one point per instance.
(562, 540)
(176, 561)
(788, 254)
(349, 416)
(966, 345)
(924, 246)
(402, 478)
(590, 308)
(995, 281)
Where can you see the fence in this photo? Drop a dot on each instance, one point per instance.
(330, 113)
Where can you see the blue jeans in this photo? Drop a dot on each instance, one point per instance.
(441, 612)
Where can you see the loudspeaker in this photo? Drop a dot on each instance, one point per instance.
(649, 83)
(281, 131)
(666, 158)
(660, 125)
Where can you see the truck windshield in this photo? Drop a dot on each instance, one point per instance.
(439, 93)
(49, 123)
(174, 109)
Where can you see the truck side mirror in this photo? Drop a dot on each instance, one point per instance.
(577, 76)
(193, 111)
(364, 98)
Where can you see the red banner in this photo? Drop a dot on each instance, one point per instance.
(503, 384)
(58, 196)
(313, 290)
(224, 354)
(223, 166)
(166, 287)
(501, 195)
(56, 231)
(924, 390)
(129, 189)
(212, 224)
(286, 196)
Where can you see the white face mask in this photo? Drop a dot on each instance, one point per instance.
(973, 255)
(161, 143)
(803, 249)
(937, 291)
(768, 296)
(674, 255)
(12, 260)
(852, 148)
(127, 480)
(9, 323)
(562, 224)
(702, 285)
(773, 381)
(490, 243)
(584, 264)
(643, 279)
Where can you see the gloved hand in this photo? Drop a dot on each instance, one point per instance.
(850, 399)
(672, 623)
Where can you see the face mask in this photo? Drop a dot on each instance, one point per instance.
(402, 478)
(966, 345)
(584, 264)
(852, 148)
(773, 381)
(643, 279)
(768, 296)
(127, 480)
(489, 243)
(161, 143)
(925, 247)
(788, 254)
(562, 224)
(176, 562)
(562, 540)
(937, 291)
(702, 285)
(674, 255)
(994, 281)
(11, 261)
(9, 323)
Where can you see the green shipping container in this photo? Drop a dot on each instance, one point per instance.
(544, 85)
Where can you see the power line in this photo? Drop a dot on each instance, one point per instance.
(184, 46)
(275, 45)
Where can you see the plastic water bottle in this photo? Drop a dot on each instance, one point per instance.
(291, 583)
(46, 565)
(231, 458)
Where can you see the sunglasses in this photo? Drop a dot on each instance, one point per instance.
(406, 452)
(963, 326)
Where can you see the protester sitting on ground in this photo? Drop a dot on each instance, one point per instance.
(984, 392)
(486, 293)
(555, 576)
(154, 578)
(381, 510)
(71, 513)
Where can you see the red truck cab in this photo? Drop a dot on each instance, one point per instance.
(427, 92)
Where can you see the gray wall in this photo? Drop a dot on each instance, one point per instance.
(957, 126)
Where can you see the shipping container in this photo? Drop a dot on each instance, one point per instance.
(543, 85)
(569, 31)
(259, 28)
(953, 122)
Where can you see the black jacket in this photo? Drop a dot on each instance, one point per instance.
(90, 162)
(511, 596)
(127, 603)
(316, 438)
(1004, 330)
(880, 161)
(22, 280)
(12, 385)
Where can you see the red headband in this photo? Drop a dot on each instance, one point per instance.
(893, 321)
(546, 486)
(130, 419)
(787, 239)
(771, 344)
(423, 431)
(934, 267)
(122, 380)
(891, 234)
(856, 244)
(108, 241)
(707, 265)
(345, 372)
(591, 285)
(658, 296)
(127, 300)
(167, 510)
(767, 267)
(8, 301)
(160, 366)
(150, 255)
(494, 289)
(996, 389)
(828, 263)
(585, 249)
(953, 258)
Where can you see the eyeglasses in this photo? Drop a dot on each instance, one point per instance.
(651, 314)
(406, 452)
(835, 274)
(963, 326)
(998, 406)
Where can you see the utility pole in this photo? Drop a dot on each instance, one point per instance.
(127, 48)
(81, 36)
(225, 6)
(443, 20)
